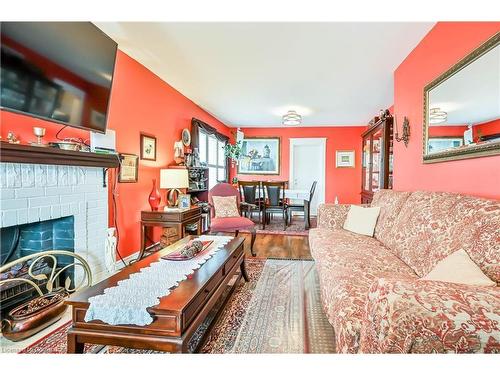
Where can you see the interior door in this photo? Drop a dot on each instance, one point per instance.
(308, 165)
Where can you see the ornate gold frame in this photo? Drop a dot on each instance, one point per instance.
(474, 151)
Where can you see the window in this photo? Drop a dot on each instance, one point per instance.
(212, 152)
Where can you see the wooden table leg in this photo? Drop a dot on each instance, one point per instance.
(307, 220)
(198, 230)
(243, 269)
(143, 243)
(73, 346)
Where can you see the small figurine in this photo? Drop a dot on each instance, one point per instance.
(12, 138)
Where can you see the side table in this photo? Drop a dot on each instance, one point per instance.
(177, 220)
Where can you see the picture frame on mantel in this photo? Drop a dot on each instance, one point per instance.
(148, 147)
(129, 168)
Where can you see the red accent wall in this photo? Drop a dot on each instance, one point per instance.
(441, 48)
(487, 128)
(345, 183)
(140, 102)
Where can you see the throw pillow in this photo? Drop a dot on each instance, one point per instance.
(362, 220)
(225, 206)
(459, 268)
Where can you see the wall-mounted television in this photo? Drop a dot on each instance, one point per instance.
(57, 71)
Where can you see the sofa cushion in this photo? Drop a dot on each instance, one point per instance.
(431, 226)
(344, 291)
(468, 272)
(362, 220)
(404, 316)
(419, 227)
(390, 203)
(353, 251)
(347, 264)
(477, 231)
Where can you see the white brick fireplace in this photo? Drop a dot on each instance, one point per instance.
(35, 192)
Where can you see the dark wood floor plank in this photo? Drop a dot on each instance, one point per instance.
(279, 246)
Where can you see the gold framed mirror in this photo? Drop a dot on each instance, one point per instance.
(462, 108)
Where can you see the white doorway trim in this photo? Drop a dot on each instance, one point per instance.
(321, 143)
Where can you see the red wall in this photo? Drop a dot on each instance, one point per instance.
(345, 183)
(487, 128)
(442, 47)
(140, 102)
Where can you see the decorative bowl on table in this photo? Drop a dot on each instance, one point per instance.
(189, 251)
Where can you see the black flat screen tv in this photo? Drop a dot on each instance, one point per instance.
(57, 71)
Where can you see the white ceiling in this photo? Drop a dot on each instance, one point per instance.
(472, 95)
(249, 74)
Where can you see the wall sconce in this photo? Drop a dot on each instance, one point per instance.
(405, 137)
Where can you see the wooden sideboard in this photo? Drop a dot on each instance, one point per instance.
(176, 220)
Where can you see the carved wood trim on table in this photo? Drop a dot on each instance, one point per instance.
(16, 153)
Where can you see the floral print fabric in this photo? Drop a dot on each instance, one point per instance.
(225, 206)
(390, 203)
(370, 287)
(408, 316)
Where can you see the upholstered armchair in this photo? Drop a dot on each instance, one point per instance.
(229, 224)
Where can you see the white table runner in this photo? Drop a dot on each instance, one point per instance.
(127, 302)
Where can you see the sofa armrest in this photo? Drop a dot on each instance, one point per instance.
(417, 316)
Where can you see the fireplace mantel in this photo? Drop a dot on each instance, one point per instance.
(17, 153)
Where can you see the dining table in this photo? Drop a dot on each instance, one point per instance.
(295, 194)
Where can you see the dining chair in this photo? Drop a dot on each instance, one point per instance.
(229, 224)
(274, 201)
(251, 200)
(304, 207)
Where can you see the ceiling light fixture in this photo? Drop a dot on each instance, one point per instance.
(291, 118)
(436, 116)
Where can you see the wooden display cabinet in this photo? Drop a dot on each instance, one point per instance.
(377, 158)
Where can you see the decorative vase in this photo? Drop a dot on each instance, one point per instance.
(154, 197)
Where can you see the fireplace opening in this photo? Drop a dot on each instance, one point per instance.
(27, 239)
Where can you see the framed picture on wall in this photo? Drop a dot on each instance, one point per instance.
(344, 158)
(129, 168)
(260, 156)
(148, 147)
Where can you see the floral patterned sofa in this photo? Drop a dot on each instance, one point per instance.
(370, 287)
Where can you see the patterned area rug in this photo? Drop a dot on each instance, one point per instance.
(285, 313)
(296, 228)
(291, 314)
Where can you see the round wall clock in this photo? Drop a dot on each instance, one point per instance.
(186, 137)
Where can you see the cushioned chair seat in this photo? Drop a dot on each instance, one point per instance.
(230, 224)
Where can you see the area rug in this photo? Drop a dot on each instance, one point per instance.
(232, 331)
(296, 228)
(285, 313)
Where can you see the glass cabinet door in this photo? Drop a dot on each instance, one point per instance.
(377, 160)
(366, 163)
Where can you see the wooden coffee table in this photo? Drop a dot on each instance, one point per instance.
(176, 317)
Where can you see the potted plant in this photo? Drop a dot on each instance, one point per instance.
(233, 152)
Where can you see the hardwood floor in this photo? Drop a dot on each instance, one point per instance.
(279, 246)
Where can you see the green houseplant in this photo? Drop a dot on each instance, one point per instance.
(233, 152)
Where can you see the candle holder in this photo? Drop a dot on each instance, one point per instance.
(39, 133)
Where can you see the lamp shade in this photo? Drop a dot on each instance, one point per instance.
(174, 178)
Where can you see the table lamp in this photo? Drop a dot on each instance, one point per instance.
(173, 179)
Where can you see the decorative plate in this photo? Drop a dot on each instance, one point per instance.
(186, 137)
